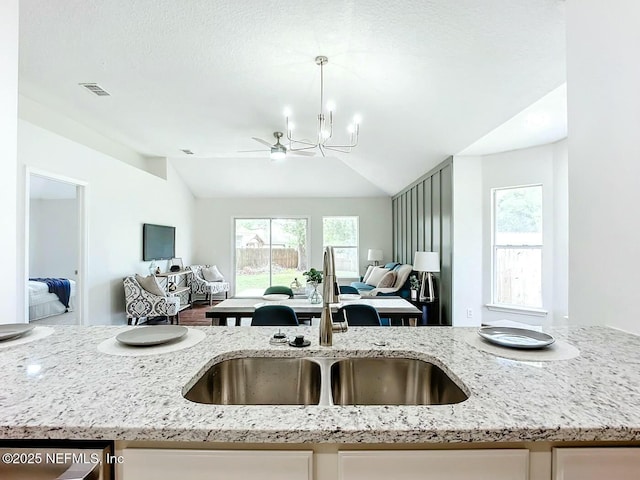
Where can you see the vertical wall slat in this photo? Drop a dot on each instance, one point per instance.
(421, 215)
(428, 215)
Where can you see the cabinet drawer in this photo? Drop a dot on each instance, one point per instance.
(619, 463)
(503, 464)
(172, 464)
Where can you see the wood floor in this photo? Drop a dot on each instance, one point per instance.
(190, 317)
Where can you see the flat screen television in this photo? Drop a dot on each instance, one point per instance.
(158, 242)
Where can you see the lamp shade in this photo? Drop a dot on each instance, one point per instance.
(374, 255)
(426, 262)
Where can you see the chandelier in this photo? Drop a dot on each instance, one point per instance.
(325, 125)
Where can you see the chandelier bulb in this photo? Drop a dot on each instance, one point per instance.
(357, 119)
(331, 106)
(351, 128)
(287, 112)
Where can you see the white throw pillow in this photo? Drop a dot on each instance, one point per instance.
(212, 274)
(387, 280)
(367, 273)
(376, 275)
(151, 285)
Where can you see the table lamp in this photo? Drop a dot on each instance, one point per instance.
(374, 256)
(426, 263)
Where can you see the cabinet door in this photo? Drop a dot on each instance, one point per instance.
(617, 463)
(170, 464)
(504, 464)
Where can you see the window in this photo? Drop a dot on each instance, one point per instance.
(341, 233)
(269, 251)
(517, 246)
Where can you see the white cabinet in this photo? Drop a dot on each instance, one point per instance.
(496, 464)
(617, 463)
(176, 464)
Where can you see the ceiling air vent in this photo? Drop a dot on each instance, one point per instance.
(187, 151)
(95, 88)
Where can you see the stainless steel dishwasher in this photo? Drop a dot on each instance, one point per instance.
(50, 460)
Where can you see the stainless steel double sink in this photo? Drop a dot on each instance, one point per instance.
(325, 381)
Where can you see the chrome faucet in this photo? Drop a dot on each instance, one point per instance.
(330, 294)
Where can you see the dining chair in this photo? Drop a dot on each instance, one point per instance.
(360, 315)
(279, 289)
(274, 316)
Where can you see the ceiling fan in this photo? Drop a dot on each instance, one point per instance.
(278, 150)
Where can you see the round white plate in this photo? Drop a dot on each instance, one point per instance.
(152, 335)
(275, 296)
(13, 330)
(350, 296)
(516, 337)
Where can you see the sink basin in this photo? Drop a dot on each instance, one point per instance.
(391, 381)
(325, 381)
(259, 381)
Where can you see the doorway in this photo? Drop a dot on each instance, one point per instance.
(55, 250)
(269, 251)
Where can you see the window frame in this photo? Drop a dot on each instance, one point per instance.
(495, 247)
(356, 246)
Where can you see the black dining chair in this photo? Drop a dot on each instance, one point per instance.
(359, 315)
(274, 316)
(348, 290)
(279, 289)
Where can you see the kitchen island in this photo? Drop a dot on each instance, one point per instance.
(62, 387)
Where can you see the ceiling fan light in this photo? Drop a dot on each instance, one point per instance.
(278, 152)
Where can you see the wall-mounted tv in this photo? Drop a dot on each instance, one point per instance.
(158, 242)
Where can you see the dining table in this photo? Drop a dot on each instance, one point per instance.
(397, 309)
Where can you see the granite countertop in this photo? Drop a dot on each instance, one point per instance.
(61, 386)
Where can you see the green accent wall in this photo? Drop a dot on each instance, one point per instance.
(422, 222)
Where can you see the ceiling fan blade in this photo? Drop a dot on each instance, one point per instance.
(301, 152)
(264, 142)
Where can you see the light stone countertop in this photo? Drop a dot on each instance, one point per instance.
(62, 387)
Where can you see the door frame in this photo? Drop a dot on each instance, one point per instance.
(82, 287)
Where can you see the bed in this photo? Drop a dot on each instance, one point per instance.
(43, 304)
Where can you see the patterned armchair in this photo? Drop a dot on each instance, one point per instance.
(142, 304)
(199, 286)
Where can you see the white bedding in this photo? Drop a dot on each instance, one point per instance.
(43, 304)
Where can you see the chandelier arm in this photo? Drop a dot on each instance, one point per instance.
(299, 149)
(334, 149)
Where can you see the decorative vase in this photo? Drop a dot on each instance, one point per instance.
(414, 295)
(314, 295)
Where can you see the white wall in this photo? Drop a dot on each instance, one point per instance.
(120, 198)
(467, 241)
(53, 238)
(213, 239)
(12, 303)
(604, 172)
(474, 178)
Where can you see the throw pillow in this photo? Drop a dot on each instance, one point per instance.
(212, 274)
(151, 285)
(367, 273)
(376, 275)
(388, 280)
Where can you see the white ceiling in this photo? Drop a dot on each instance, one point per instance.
(429, 78)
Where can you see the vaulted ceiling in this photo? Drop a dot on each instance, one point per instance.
(429, 77)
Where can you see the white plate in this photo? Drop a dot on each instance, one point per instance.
(13, 330)
(516, 337)
(275, 296)
(153, 335)
(350, 296)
